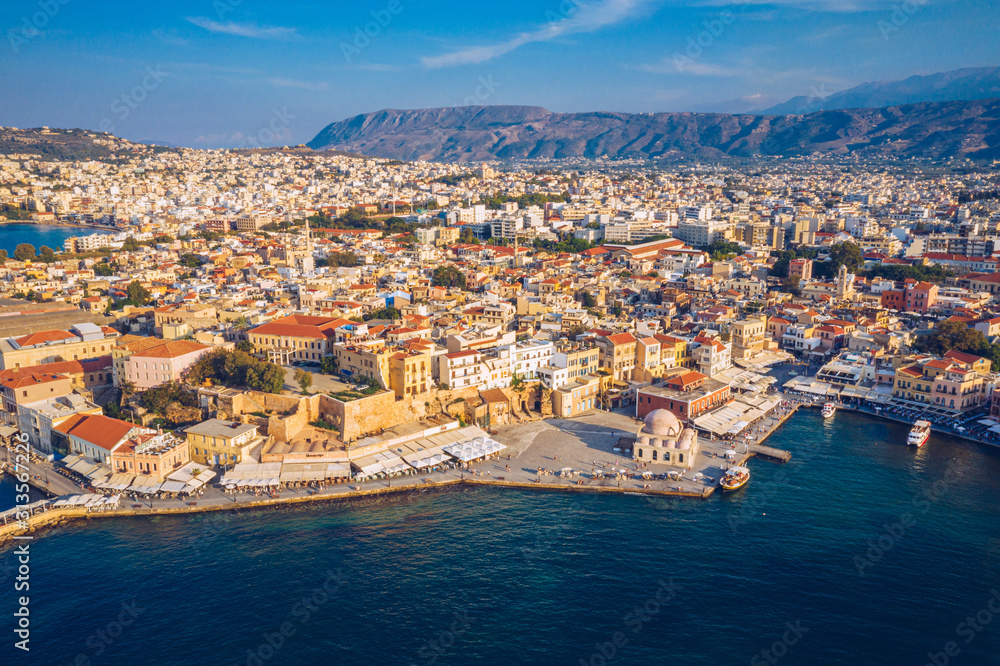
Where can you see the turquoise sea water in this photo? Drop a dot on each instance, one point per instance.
(808, 563)
(12, 235)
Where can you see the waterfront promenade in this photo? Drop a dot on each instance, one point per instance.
(564, 455)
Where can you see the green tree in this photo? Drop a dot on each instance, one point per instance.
(3, 256)
(846, 254)
(138, 294)
(104, 269)
(189, 260)
(244, 346)
(953, 335)
(387, 312)
(303, 379)
(722, 249)
(46, 254)
(24, 252)
(130, 245)
(346, 259)
(266, 377)
(588, 300)
(791, 285)
(448, 276)
(328, 365)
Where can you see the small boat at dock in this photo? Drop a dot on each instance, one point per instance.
(734, 479)
(829, 409)
(919, 434)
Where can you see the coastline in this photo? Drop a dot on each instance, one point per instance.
(55, 223)
(416, 483)
(65, 515)
(935, 428)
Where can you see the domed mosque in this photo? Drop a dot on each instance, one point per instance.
(664, 440)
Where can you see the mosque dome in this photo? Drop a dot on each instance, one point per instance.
(662, 424)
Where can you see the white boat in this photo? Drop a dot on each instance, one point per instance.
(919, 434)
(829, 409)
(734, 479)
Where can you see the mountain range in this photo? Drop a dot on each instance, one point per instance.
(972, 83)
(477, 133)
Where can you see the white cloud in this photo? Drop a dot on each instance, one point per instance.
(688, 66)
(251, 30)
(811, 5)
(586, 17)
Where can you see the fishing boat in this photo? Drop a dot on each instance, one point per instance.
(734, 479)
(919, 434)
(829, 409)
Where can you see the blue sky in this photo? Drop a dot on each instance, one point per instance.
(222, 73)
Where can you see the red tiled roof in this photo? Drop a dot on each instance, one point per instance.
(100, 430)
(43, 337)
(621, 339)
(171, 349)
(25, 377)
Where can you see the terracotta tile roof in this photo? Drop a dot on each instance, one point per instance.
(171, 349)
(100, 430)
(43, 337)
(621, 339)
(27, 377)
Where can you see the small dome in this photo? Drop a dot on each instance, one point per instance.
(671, 443)
(662, 424)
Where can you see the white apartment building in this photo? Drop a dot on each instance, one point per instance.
(529, 357)
(698, 213)
(463, 369)
(698, 233)
(713, 357)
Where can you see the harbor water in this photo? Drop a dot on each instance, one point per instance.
(52, 235)
(859, 551)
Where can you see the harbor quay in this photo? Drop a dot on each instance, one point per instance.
(589, 453)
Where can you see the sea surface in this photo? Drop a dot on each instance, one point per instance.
(859, 551)
(12, 235)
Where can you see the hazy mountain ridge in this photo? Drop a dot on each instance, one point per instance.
(967, 84)
(933, 130)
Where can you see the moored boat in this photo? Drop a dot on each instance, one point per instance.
(829, 409)
(734, 479)
(919, 434)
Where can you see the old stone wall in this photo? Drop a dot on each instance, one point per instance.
(359, 418)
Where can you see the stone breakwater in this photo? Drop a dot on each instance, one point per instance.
(42, 521)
